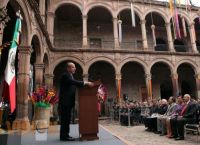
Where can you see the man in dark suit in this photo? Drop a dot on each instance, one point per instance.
(67, 92)
(187, 115)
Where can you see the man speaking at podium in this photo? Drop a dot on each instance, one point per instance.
(68, 87)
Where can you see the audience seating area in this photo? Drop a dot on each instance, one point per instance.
(174, 118)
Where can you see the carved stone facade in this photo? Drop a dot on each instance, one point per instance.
(86, 32)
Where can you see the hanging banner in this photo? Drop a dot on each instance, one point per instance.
(178, 33)
(174, 28)
(171, 7)
(132, 15)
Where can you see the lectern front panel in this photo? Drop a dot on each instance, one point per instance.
(88, 114)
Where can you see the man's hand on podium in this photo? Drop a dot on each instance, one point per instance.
(89, 84)
(92, 84)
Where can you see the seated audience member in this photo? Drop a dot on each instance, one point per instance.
(136, 112)
(148, 119)
(161, 120)
(177, 112)
(152, 120)
(161, 111)
(187, 115)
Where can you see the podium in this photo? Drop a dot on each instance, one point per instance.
(88, 114)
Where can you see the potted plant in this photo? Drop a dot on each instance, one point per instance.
(43, 98)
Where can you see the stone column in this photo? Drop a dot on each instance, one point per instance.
(85, 77)
(39, 70)
(144, 34)
(5, 19)
(149, 86)
(197, 76)
(3, 3)
(118, 78)
(42, 9)
(115, 32)
(85, 39)
(192, 38)
(169, 37)
(49, 80)
(174, 77)
(22, 121)
(50, 26)
(153, 35)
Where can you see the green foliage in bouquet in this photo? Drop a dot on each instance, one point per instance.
(43, 97)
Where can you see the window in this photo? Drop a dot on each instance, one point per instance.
(95, 43)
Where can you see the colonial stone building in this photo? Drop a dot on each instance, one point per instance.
(86, 32)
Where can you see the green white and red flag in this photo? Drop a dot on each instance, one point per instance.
(9, 91)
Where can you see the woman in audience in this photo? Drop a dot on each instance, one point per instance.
(176, 113)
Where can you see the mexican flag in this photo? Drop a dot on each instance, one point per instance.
(9, 91)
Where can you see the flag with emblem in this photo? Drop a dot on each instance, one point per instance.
(9, 91)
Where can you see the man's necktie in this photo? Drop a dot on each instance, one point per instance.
(183, 110)
(72, 76)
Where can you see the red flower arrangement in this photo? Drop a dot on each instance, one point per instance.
(102, 93)
(101, 96)
(43, 97)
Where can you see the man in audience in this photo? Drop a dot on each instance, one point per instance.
(161, 120)
(187, 115)
(148, 119)
(152, 120)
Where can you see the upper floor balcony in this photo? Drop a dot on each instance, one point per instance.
(99, 29)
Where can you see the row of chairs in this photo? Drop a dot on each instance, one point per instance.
(194, 128)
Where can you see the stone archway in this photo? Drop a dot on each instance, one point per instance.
(161, 80)
(37, 76)
(68, 27)
(133, 81)
(155, 23)
(130, 33)
(186, 79)
(106, 73)
(182, 37)
(100, 28)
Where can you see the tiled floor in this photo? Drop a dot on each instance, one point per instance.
(136, 135)
(105, 138)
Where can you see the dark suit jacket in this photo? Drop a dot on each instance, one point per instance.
(162, 109)
(68, 90)
(190, 112)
